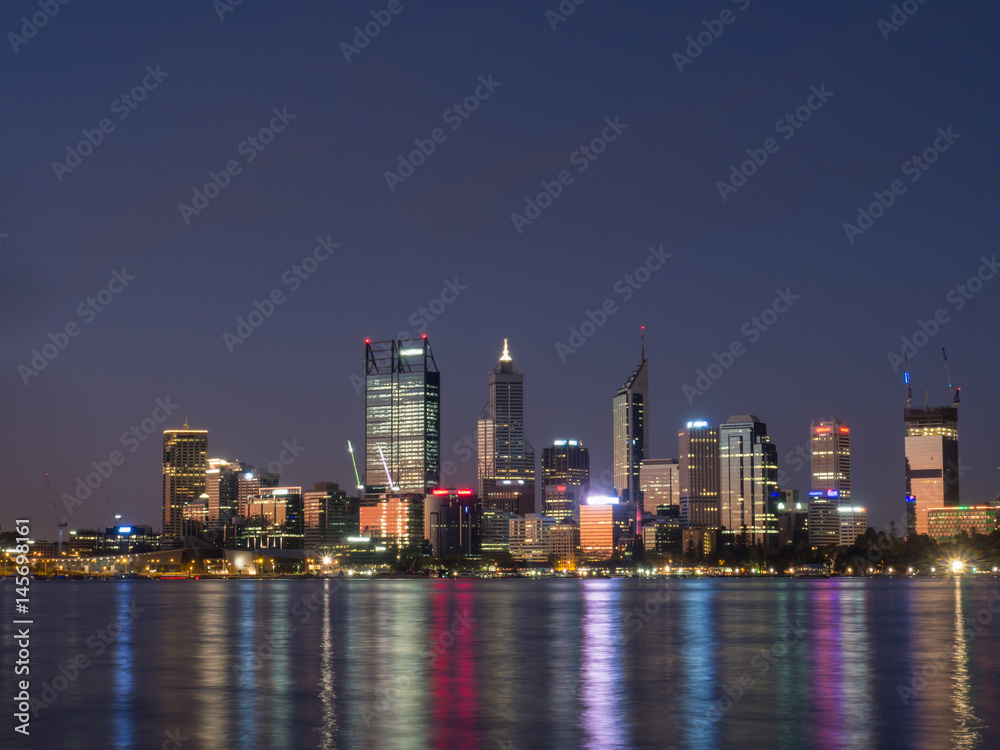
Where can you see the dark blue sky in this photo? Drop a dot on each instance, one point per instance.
(450, 221)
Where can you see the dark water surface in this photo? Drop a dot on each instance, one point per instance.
(508, 664)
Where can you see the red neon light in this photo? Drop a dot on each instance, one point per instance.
(440, 492)
(561, 487)
(465, 492)
(845, 429)
(822, 429)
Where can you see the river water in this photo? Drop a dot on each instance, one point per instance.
(510, 664)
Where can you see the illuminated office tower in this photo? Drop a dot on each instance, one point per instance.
(659, 481)
(222, 481)
(830, 450)
(402, 417)
(565, 478)
(931, 459)
(324, 515)
(698, 474)
(250, 482)
(607, 529)
(274, 519)
(748, 475)
(505, 469)
(631, 431)
(185, 459)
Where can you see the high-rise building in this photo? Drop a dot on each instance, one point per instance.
(506, 460)
(530, 539)
(402, 417)
(222, 482)
(249, 483)
(698, 474)
(748, 474)
(606, 529)
(830, 450)
(931, 459)
(185, 456)
(853, 523)
(453, 521)
(565, 539)
(395, 519)
(565, 478)
(629, 410)
(324, 512)
(659, 481)
(824, 521)
(793, 519)
(274, 519)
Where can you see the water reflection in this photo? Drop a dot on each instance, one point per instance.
(698, 702)
(327, 681)
(604, 721)
(966, 733)
(124, 679)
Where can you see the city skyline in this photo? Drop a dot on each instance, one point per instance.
(453, 477)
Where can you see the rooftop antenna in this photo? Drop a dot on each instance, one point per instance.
(505, 357)
(643, 329)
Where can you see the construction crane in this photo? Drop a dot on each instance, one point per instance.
(357, 479)
(956, 393)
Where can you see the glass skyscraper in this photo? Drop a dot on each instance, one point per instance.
(631, 432)
(748, 479)
(402, 417)
(565, 479)
(506, 460)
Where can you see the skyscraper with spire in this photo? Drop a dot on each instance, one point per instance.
(506, 460)
(631, 430)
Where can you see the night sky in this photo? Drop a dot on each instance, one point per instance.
(866, 106)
